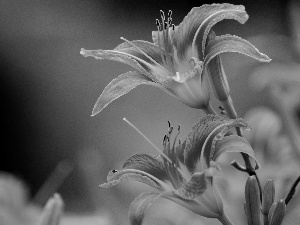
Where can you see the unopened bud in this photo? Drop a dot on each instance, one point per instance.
(277, 212)
(252, 205)
(52, 211)
(268, 196)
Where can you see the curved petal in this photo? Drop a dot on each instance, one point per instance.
(203, 205)
(150, 49)
(118, 87)
(198, 184)
(203, 17)
(115, 56)
(201, 141)
(148, 164)
(140, 206)
(114, 177)
(233, 143)
(231, 43)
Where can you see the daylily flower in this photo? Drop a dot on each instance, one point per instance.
(177, 60)
(184, 173)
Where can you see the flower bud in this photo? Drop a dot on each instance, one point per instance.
(277, 212)
(52, 211)
(268, 196)
(252, 205)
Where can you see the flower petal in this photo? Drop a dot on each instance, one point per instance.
(148, 164)
(140, 206)
(198, 184)
(118, 87)
(52, 211)
(209, 204)
(152, 50)
(233, 143)
(116, 56)
(201, 141)
(231, 43)
(198, 22)
(114, 177)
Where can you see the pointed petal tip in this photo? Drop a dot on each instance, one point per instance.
(83, 51)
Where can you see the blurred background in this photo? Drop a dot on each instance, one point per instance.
(48, 91)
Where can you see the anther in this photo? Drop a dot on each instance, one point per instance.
(169, 123)
(158, 24)
(170, 14)
(162, 14)
(178, 127)
(166, 25)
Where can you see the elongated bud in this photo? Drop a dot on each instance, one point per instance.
(268, 196)
(52, 211)
(277, 212)
(252, 205)
(217, 75)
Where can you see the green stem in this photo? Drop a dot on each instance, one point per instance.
(225, 220)
(229, 107)
(266, 221)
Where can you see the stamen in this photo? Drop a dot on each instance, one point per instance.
(162, 14)
(153, 145)
(158, 24)
(148, 57)
(147, 139)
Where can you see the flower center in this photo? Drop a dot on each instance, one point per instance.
(197, 66)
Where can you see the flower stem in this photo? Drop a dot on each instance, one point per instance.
(229, 107)
(225, 220)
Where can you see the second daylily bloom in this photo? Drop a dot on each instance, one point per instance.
(177, 60)
(184, 173)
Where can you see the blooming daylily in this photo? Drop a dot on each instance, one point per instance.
(177, 60)
(184, 173)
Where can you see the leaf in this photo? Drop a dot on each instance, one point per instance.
(199, 21)
(114, 177)
(140, 206)
(231, 43)
(232, 143)
(52, 211)
(201, 140)
(148, 164)
(118, 87)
